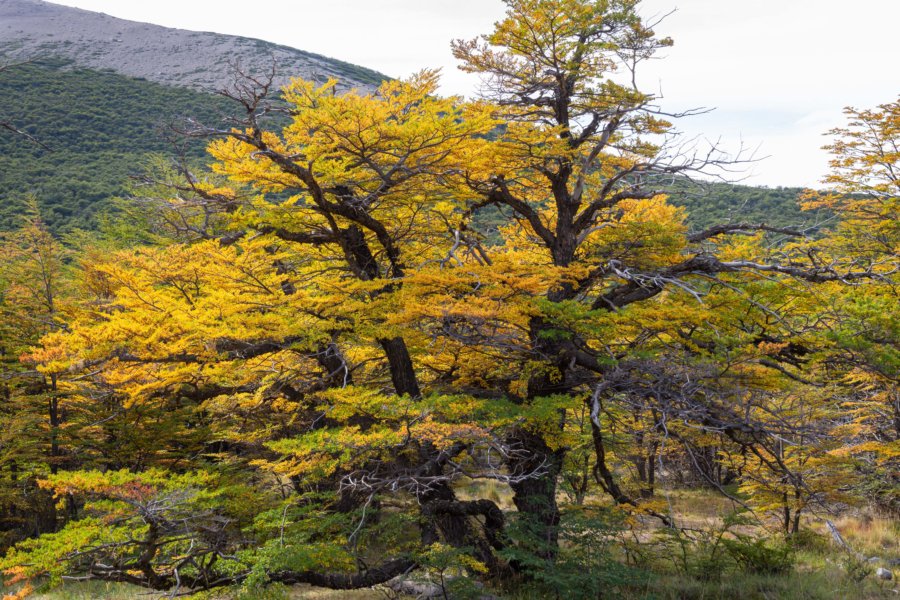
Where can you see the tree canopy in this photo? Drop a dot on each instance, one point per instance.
(307, 372)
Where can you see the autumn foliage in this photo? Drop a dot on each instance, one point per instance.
(317, 359)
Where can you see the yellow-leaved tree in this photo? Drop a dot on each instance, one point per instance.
(861, 352)
(345, 353)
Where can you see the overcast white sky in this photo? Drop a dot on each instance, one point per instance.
(778, 72)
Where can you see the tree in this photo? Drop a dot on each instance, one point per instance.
(334, 331)
(862, 340)
(32, 303)
(580, 166)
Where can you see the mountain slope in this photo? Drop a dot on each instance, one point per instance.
(200, 60)
(101, 107)
(98, 92)
(99, 128)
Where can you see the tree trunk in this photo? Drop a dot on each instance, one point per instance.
(53, 406)
(535, 493)
(531, 460)
(402, 373)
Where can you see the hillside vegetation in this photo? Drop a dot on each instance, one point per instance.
(713, 203)
(98, 129)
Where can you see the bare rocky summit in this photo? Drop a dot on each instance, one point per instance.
(200, 60)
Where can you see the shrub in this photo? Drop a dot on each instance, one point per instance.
(583, 567)
(760, 556)
(856, 569)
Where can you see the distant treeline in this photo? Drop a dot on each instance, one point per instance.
(713, 203)
(100, 128)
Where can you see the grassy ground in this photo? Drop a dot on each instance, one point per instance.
(821, 571)
(96, 590)
(797, 586)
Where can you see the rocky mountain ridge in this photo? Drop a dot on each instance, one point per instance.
(199, 60)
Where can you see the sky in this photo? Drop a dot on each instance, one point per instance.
(777, 72)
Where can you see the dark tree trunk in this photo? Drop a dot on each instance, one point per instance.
(335, 367)
(359, 255)
(578, 479)
(53, 406)
(535, 494)
(646, 468)
(444, 518)
(535, 465)
(402, 373)
(452, 529)
(602, 472)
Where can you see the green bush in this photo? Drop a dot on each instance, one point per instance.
(807, 539)
(584, 566)
(760, 555)
(856, 569)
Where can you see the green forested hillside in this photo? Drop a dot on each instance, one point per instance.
(99, 128)
(713, 203)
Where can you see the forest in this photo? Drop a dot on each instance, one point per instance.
(397, 345)
(98, 130)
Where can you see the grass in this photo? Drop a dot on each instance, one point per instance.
(99, 590)
(825, 584)
(310, 593)
(816, 585)
(93, 590)
(500, 493)
(821, 570)
(871, 535)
